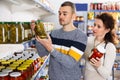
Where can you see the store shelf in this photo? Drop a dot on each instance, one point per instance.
(39, 73)
(47, 8)
(104, 10)
(9, 49)
(33, 6)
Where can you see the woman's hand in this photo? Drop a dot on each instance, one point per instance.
(47, 43)
(95, 62)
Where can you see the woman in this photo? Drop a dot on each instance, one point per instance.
(104, 35)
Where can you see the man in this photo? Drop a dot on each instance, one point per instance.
(65, 46)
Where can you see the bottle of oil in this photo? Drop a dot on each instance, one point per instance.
(39, 30)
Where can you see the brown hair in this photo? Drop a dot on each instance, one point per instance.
(68, 3)
(110, 23)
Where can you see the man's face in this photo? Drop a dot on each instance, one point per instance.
(65, 15)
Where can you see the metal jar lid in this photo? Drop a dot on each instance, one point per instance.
(15, 74)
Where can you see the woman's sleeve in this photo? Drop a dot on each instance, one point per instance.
(106, 68)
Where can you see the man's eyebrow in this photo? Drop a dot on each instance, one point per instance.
(62, 11)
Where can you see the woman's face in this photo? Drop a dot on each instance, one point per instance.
(99, 29)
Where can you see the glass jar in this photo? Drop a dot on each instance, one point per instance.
(4, 76)
(23, 71)
(97, 52)
(2, 67)
(13, 68)
(40, 31)
(29, 68)
(5, 63)
(7, 70)
(16, 76)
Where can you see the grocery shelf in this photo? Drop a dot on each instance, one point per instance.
(105, 10)
(47, 8)
(35, 7)
(9, 49)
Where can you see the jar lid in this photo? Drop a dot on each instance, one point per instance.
(2, 74)
(15, 74)
(101, 49)
(11, 67)
(5, 62)
(21, 68)
(7, 70)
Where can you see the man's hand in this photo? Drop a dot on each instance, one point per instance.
(47, 43)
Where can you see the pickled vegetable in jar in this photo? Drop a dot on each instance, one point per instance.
(40, 30)
(19, 32)
(12, 32)
(2, 36)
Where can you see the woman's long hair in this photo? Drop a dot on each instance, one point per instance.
(109, 23)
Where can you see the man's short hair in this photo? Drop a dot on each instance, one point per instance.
(68, 3)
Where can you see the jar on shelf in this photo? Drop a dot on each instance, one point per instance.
(5, 63)
(90, 15)
(28, 70)
(30, 67)
(2, 67)
(4, 76)
(7, 70)
(81, 18)
(99, 6)
(16, 76)
(104, 6)
(23, 71)
(91, 6)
